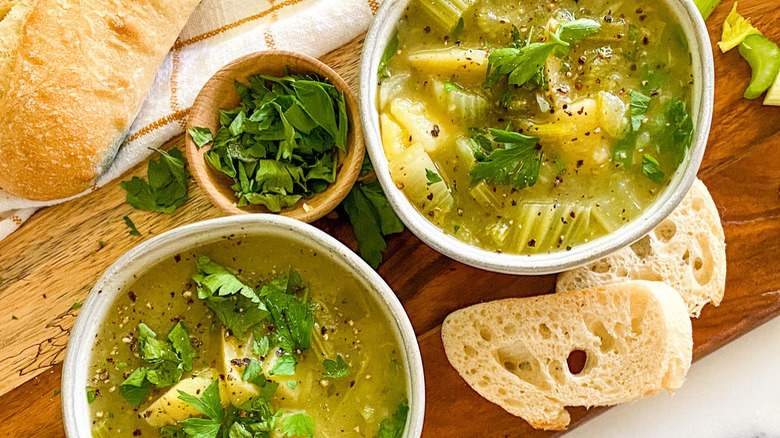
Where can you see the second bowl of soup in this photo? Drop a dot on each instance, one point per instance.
(533, 137)
(255, 326)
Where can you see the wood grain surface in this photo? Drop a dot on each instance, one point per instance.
(55, 258)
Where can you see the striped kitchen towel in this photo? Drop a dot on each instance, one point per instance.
(218, 32)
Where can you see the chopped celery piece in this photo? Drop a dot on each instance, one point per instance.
(469, 105)
(445, 13)
(764, 58)
(773, 95)
(544, 225)
(735, 29)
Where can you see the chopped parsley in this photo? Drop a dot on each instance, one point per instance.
(201, 136)
(76, 306)
(638, 104)
(298, 424)
(166, 189)
(393, 427)
(92, 394)
(652, 169)
(254, 418)
(164, 362)
(392, 47)
(516, 164)
(133, 230)
(451, 86)
(525, 64)
(432, 177)
(335, 368)
(280, 145)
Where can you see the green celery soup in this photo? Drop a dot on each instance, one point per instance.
(531, 127)
(247, 337)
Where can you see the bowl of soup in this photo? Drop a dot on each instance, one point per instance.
(534, 137)
(245, 326)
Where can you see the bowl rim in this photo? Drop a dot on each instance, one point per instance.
(75, 408)
(351, 160)
(700, 50)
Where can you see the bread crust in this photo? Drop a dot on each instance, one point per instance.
(77, 74)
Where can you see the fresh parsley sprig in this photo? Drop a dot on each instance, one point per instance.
(166, 189)
(523, 64)
(516, 164)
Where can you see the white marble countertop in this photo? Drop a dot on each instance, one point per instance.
(732, 393)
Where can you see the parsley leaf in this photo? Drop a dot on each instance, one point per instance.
(432, 177)
(133, 230)
(651, 169)
(209, 404)
(167, 187)
(179, 338)
(677, 133)
(293, 319)
(638, 104)
(135, 387)
(171, 431)
(516, 164)
(394, 426)
(458, 28)
(261, 345)
(214, 279)
(234, 303)
(201, 428)
(298, 424)
(164, 362)
(372, 218)
(284, 366)
(525, 64)
(253, 373)
(519, 65)
(451, 86)
(201, 136)
(392, 47)
(335, 368)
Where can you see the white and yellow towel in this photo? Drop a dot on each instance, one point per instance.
(218, 32)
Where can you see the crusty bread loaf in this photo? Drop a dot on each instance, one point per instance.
(516, 352)
(73, 76)
(686, 251)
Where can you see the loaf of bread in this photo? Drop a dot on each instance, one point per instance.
(602, 346)
(73, 76)
(686, 251)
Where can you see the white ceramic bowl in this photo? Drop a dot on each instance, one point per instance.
(699, 42)
(75, 408)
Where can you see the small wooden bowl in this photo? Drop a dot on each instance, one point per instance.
(220, 93)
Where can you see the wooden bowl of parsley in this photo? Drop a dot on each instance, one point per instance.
(275, 132)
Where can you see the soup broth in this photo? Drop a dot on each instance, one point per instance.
(528, 127)
(345, 381)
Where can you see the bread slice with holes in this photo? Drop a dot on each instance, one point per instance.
(527, 354)
(686, 251)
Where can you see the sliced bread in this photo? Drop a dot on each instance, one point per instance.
(527, 354)
(686, 251)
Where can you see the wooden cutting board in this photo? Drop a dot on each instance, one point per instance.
(55, 258)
